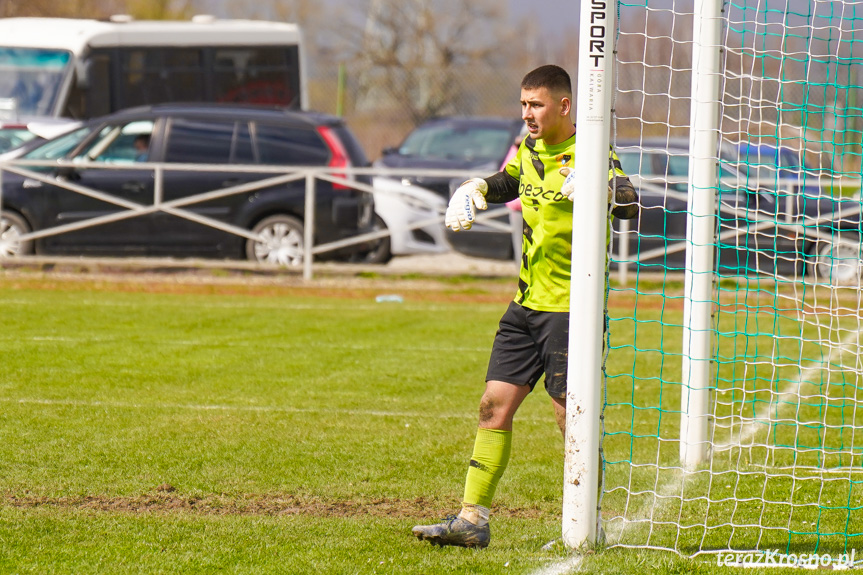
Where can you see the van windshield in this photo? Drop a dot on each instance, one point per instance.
(32, 78)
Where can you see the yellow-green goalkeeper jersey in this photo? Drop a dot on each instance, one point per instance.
(544, 278)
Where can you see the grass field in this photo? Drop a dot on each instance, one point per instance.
(785, 471)
(165, 428)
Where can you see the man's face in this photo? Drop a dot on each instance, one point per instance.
(546, 116)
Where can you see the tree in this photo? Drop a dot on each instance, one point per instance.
(51, 8)
(160, 9)
(100, 9)
(421, 55)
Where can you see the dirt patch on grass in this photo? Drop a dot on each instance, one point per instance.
(412, 289)
(449, 289)
(437, 278)
(165, 501)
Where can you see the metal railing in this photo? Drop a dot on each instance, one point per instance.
(180, 207)
(275, 175)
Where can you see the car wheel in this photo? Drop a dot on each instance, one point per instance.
(381, 251)
(838, 262)
(281, 242)
(12, 227)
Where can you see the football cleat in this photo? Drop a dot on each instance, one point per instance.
(454, 530)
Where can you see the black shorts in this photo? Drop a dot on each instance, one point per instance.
(529, 343)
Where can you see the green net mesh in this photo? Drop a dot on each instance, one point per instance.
(784, 460)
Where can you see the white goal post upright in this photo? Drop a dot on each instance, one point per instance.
(700, 230)
(590, 220)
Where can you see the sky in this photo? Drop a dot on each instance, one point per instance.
(555, 16)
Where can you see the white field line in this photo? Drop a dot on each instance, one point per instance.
(260, 305)
(562, 567)
(674, 485)
(233, 343)
(101, 405)
(238, 408)
(789, 392)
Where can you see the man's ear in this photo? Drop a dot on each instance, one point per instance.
(565, 106)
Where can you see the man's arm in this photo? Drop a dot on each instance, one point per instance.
(502, 188)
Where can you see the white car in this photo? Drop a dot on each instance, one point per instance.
(398, 206)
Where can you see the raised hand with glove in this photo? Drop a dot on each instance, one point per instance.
(469, 197)
(569, 184)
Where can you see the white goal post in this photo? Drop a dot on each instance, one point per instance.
(700, 228)
(584, 383)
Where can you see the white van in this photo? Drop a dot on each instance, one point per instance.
(86, 68)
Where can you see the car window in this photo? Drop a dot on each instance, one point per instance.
(727, 173)
(678, 165)
(673, 165)
(11, 138)
(292, 146)
(457, 142)
(161, 74)
(119, 143)
(242, 152)
(634, 162)
(60, 147)
(760, 162)
(731, 182)
(790, 159)
(758, 175)
(199, 142)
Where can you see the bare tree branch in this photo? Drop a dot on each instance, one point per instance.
(413, 52)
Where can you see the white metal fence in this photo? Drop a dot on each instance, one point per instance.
(180, 207)
(623, 255)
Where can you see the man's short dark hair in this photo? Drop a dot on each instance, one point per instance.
(552, 78)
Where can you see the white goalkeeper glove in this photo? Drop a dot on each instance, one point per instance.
(469, 197)
(568, 187)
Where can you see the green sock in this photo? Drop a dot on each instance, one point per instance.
(490, 456)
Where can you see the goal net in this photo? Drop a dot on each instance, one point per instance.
(754, 443)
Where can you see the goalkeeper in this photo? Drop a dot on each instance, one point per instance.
(532, 338)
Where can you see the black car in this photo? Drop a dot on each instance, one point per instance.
(190, 213)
